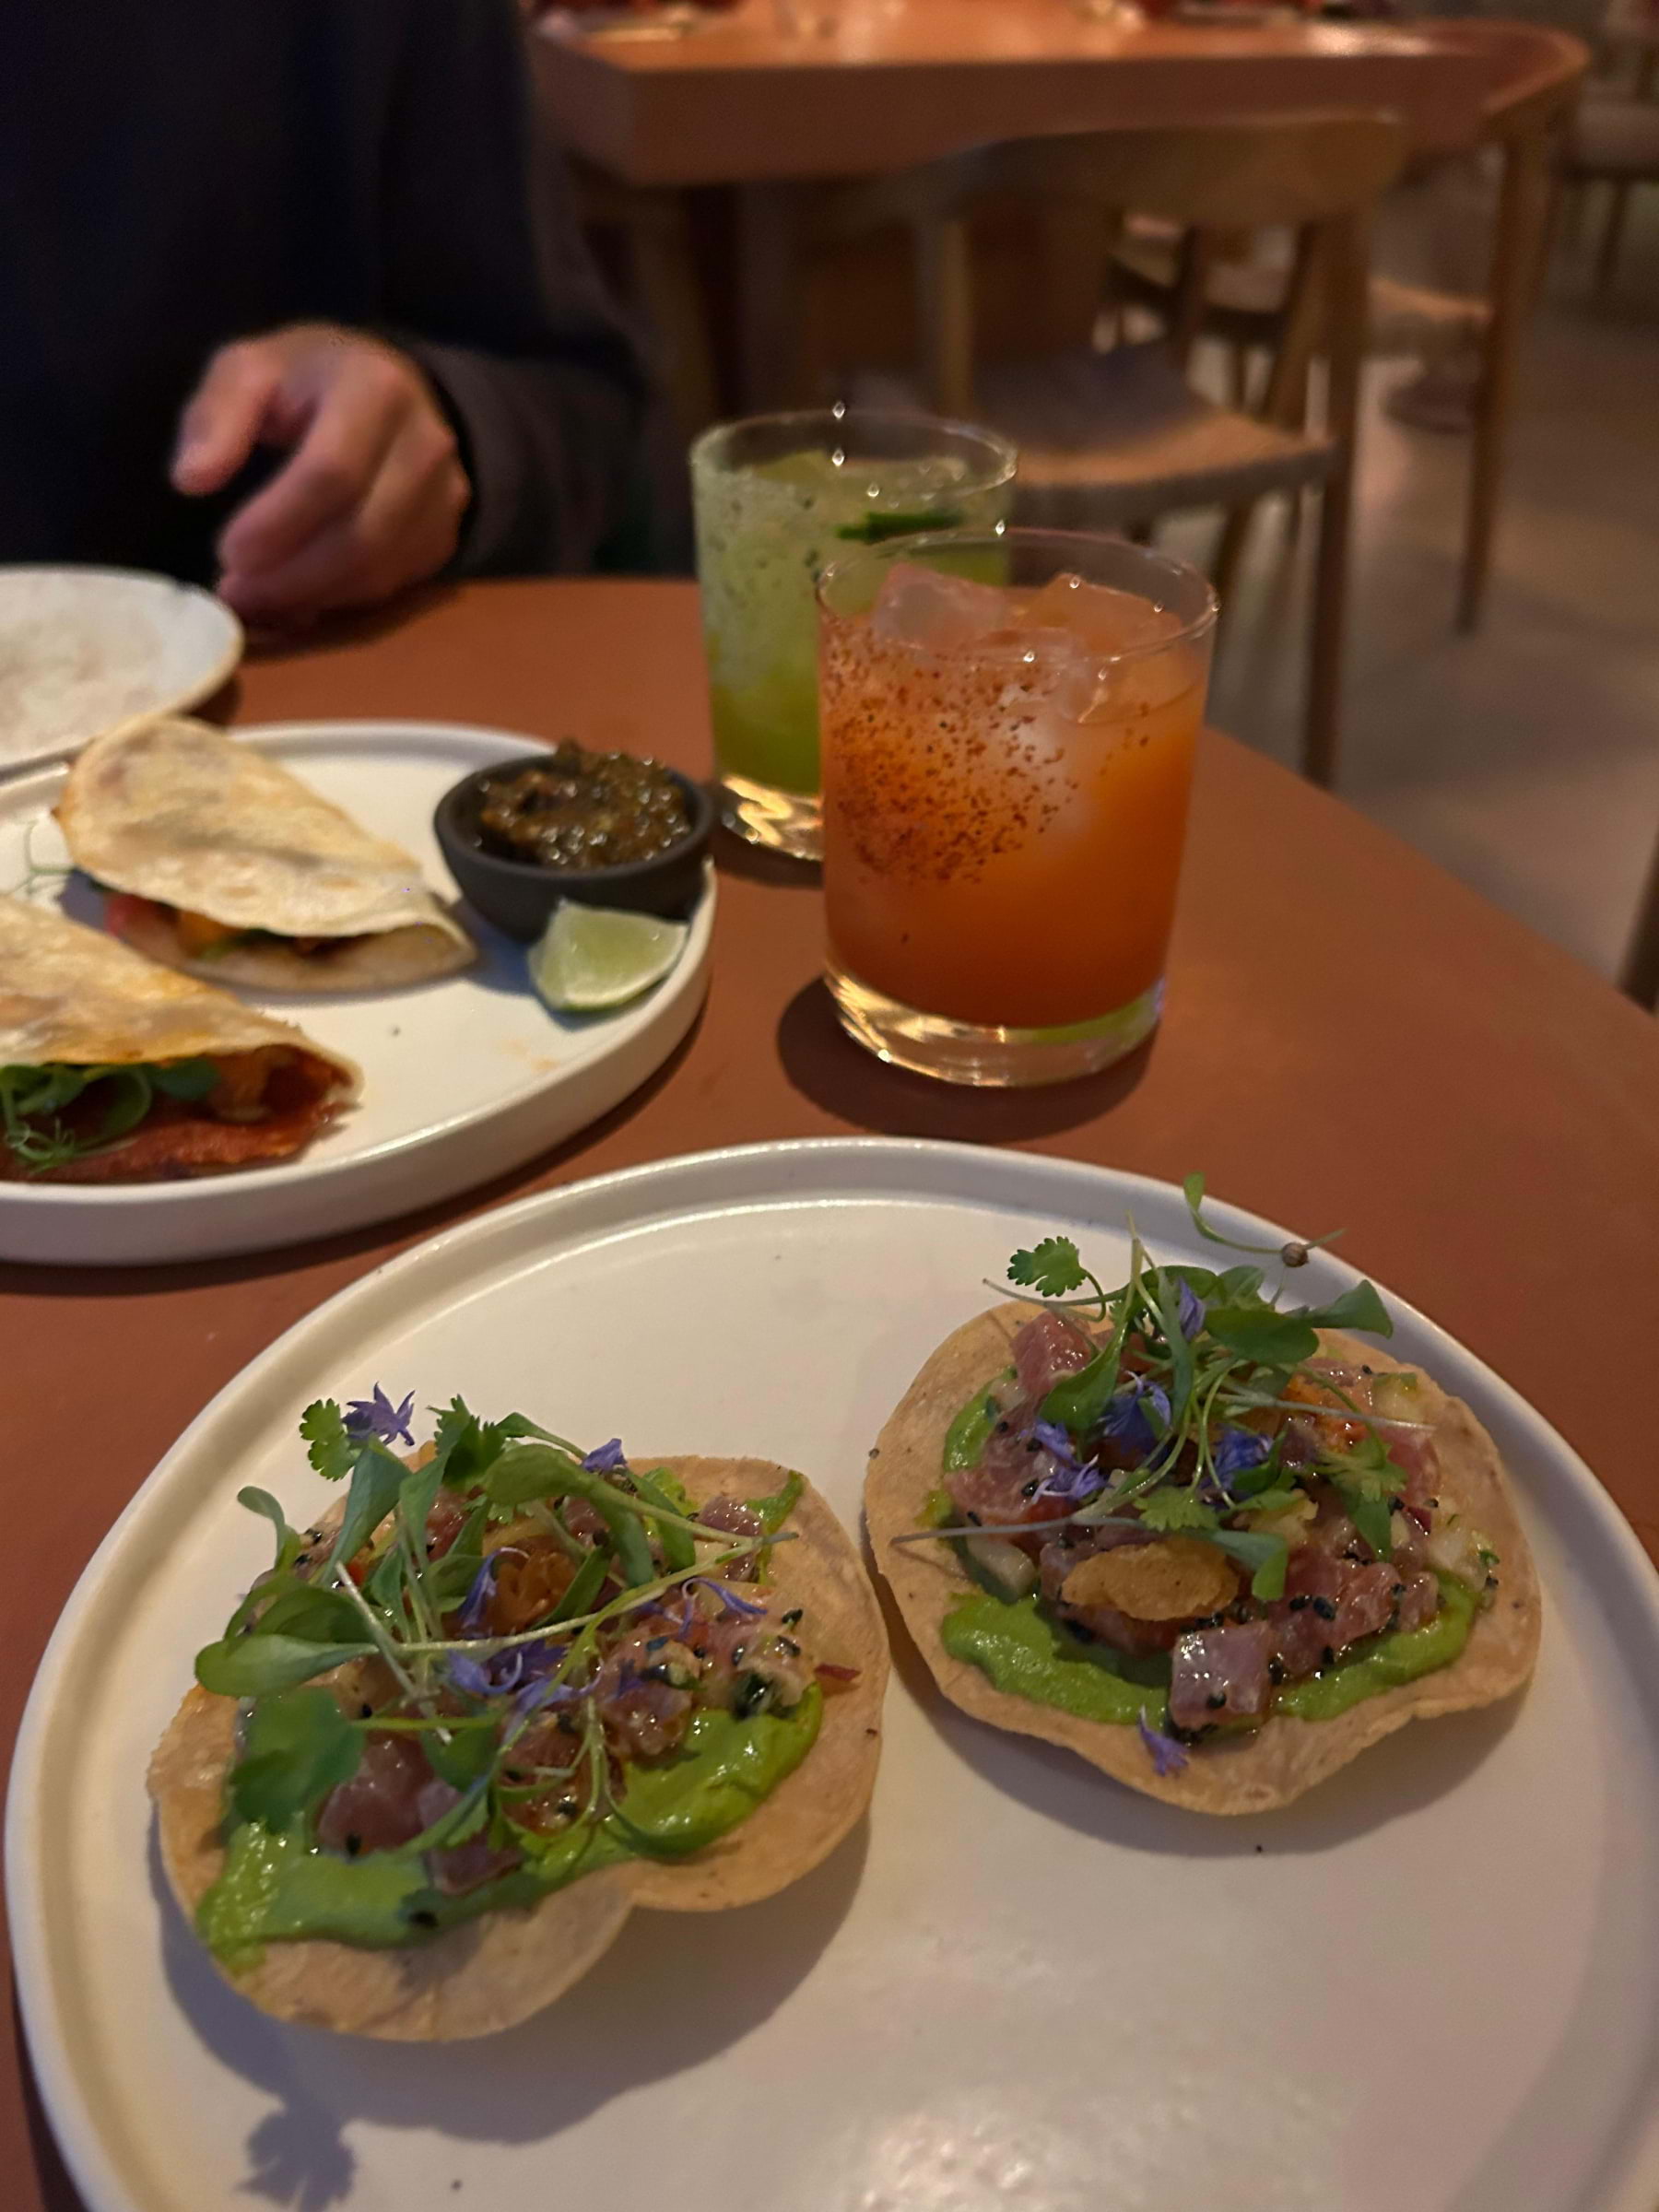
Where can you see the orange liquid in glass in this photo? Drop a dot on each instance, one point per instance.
(1001, 847)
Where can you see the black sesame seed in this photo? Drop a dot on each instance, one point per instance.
(365, 1711)
(975, 1518)
(1325, 1610)
(1301, 1605)
(1491, 1582)
(1003, 1427)
(1398, 1589)
(790, 1618)
(1033, 1444)
(513, 1773)
(1242, 1612)
(353, 1845)
(423, 1919)
(1329, 1656)
(1275, 1669)
(1396, 1505)
(788, 1645)
(1217, 1700)
(1029, 1489)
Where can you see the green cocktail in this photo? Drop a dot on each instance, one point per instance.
(778, 497)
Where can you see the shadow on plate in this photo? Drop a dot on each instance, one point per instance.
(665, 1997)
(824, 1064)
(1400, 1776)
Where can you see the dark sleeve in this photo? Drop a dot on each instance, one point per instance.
(489, 285)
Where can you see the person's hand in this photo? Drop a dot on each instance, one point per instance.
(371, 496)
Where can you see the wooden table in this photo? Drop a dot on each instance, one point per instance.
(739, 103)
(1352, 1039)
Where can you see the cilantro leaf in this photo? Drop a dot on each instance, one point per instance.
(1365, 1468)
(1261, 1332)
(298, 1745)
(1266, 1558)
(1176, 1507)
(330, 1447)
(1274, 1501)
(1371, 1517)
(1053, 1268)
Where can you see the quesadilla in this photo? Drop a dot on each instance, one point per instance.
(220, 863)
(1215, 1545)
(501, 1694)
(114, 1070)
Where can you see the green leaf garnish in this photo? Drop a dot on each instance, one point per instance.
(297, 1747)
(1176, 1508)
(1051, 1268)
(331, 1450)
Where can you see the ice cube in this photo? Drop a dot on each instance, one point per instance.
(1108, 621)
(934, 612)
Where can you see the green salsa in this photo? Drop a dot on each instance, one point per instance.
(277, 1888)
(966, 1437)
(1021, 1650)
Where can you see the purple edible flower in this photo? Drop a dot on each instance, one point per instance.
(605, 1459)
(471, 1616)
(1067, 1478)
(1237, 1450)
(1189, 1309)
(504, 1672)
(745, 1608)
(1124, 1419)
(540, 1693)
(1168, 1757)
(378, 1416)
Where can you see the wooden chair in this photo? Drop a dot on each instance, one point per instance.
(1639, 974)
(1615, 143)
(1118, 439)
(1534, 74)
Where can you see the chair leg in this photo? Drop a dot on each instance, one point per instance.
(1229, 552)
(1639, 974)
(1323, 733)
(1522, 213)
(1612, 239)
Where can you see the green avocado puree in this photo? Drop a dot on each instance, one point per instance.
(276, 1886)
(1021, 1651)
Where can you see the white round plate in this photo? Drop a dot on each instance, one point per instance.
(83, 649)
(462, 1080)
(1432, 1986)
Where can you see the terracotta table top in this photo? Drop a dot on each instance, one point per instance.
(739, 103)
(1352, 1039)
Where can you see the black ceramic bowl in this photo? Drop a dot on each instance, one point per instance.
(519, 895)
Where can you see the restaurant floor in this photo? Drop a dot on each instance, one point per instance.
(1526, 760)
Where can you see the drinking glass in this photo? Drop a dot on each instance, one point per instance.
(777, 498)
(1008, 727)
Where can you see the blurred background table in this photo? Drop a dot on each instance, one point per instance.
(1352, 1040)
(698, 146)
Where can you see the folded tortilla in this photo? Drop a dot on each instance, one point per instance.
(1244, 1774)
(200, 834)
(493, 1971)
(73, 995)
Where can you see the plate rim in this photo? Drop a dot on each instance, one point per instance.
(46, 1202)
(761, 1171)
(231, 653)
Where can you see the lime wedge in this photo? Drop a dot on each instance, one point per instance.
(590, 958)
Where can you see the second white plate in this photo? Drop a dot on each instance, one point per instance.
(462, 1080)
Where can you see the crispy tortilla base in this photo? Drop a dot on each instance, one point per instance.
(1248, 1775)
(494, 1971)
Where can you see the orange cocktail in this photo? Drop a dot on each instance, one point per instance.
(1009, 727)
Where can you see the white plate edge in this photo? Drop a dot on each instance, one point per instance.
(209, 1196)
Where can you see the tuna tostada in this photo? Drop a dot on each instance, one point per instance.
(503, 1692)
(1210, 1541)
